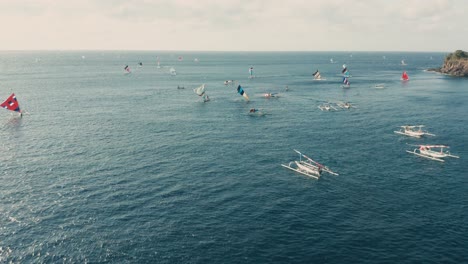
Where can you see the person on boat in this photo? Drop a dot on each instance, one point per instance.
(253, 110)
(319, 170)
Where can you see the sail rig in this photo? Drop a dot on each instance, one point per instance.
(241, 92)
(317, 75)
(404, 76)
(345, 82)
(11, 103)
(251, 72)
(200, 91)
(127, 69)
(345, 71)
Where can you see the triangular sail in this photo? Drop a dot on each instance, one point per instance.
(11, 104)
(200, 90)
(317, 75)
(241, 92)
(345, 81)
(345, 71)
(127, 69)
(404, 76)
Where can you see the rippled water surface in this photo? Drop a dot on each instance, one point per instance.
(126, 168)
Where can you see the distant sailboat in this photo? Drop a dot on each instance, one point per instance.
(127, 69)
(241, 92)
(403, 62)
(200, 91)
(317, 76)
(158, 63)
(251, 73)
(404, 76)
(332, 61)
(345, 71)
(172, 71)
(345, 82)
(12, 104)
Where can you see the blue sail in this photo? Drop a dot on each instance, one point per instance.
(241, 92)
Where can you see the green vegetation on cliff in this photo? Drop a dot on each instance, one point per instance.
(457, 55)
(455, 64)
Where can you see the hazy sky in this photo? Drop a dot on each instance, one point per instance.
(242, 25)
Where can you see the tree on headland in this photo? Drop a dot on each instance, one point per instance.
(457, 55)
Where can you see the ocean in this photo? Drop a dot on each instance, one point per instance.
(107, 167)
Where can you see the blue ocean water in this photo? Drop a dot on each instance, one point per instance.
(126, 168)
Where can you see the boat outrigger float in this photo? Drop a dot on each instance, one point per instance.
(308, 167)
(413, 131)
(426, 151)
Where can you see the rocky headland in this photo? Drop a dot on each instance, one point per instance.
(455, 64)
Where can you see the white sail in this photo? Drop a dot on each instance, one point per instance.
(200, 90)
(172, 71)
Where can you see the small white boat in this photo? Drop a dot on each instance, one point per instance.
(379, 86)
(308, 167)
(270, 95)
(413, 131)
(327, 107)
(302, 169)
(426, 151)
(345, 105)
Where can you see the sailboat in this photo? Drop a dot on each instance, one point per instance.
(127, 69)
(200, 91)
(158, 63)
(345, 82)
(12, 104)
(403, 62)
(172, 71)
(332, 61)
(317, 76)
(345, 71)
(251, 73)
(241, 92)
(404, 76)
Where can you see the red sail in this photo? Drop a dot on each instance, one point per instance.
(404, 76)
(11, 104)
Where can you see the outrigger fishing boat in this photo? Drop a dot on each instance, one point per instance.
(413, 131)
(308, 167)
(345, 105)
(327, 107)
(426, 151)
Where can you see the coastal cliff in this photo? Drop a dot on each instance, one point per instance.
(455, 64)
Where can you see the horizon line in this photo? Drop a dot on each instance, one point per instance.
(168, 50)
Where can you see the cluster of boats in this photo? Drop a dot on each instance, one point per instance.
(311, 168)
(433, 152)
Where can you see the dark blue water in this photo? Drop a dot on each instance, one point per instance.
(108, 167)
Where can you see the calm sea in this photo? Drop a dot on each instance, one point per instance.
(108, 167)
